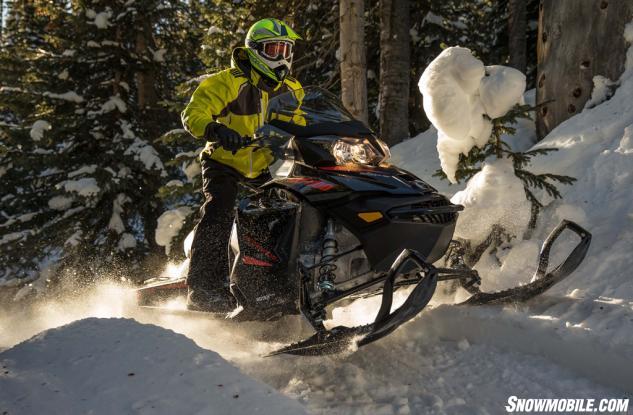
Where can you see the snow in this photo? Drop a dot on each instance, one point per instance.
(127, 241)
(75, 239)
(145, 153)
(601, 91)
(433, 365)
(575, 341)
(419, 156)
(192, 169)
(169, 225)
(71, 96)
(85, 187)
(101, 20)
(13, 236)
(159, 55)
(83, 170)
(175, 183)
(115, 366)
(628, 36)
(116, 223)
(213, 30)
(493, 196)
(115, 102)
(38, 128)
(433, 19)
(458, 93)
(60, 202)
(501, 89)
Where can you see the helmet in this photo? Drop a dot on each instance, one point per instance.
(270, 45)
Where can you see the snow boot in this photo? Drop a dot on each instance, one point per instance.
(217, 301)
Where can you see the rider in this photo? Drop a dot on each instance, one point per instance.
(225, 110)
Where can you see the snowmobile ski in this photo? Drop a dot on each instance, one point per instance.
(343, 338)
(542, 280)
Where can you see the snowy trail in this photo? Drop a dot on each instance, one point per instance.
(448, 360)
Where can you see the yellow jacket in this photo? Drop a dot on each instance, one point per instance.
(237, 98)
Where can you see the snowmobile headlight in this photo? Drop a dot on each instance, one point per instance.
(385, 149)
(347, 151)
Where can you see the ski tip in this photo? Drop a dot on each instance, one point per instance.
(337, 341)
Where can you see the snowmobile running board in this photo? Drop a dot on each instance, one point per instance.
(344, 338)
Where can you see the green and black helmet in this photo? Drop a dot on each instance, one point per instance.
(270, 45)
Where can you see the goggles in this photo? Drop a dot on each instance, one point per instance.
(276, 49)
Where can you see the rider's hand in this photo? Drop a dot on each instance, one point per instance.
(228, 138)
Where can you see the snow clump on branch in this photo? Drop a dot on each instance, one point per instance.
(461, 97)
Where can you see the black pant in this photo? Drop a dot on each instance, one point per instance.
(209, 267)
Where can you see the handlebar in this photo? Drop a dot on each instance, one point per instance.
(273, 143)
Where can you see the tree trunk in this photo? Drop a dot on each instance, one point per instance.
(517, 31)
(577, 40)
(394, 70)
(145, 77)
(353, 60)
(1, 20)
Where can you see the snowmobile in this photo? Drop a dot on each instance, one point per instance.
(337, 222)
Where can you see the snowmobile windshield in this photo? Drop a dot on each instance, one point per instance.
(313, 111)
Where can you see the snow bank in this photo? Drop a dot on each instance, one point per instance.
(116, 366)
(596, 147)
(460, 98)
(169, 225)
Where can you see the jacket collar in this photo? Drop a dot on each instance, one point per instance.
(239, 59)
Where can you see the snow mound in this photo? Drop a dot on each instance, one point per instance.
(493, 196)
(596, 147)
(461, 96)
(116, 366)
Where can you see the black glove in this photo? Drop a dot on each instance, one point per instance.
(225, 136)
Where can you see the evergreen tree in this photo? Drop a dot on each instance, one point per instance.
(83, 174)
(471, 164)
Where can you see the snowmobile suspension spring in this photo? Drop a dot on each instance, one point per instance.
(329, 251)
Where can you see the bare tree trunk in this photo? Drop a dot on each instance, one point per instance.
(577, 40)
(145, 78)
(394, 70)
(517, 31)
(353, 59)
(1, 19)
